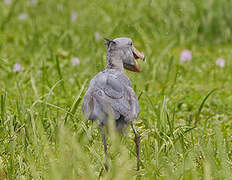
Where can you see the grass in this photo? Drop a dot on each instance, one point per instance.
(184, 122)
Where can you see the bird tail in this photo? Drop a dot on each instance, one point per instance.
(121, 123)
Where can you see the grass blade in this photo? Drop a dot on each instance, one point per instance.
(201, 106)
(3, 104)
(76, 102)
(60, 74)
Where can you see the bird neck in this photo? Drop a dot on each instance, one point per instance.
(114, 60)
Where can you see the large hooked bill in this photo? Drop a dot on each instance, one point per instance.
(137, 55)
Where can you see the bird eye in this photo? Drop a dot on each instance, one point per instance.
(131, 43)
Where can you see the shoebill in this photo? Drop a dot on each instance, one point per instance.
(110, 94)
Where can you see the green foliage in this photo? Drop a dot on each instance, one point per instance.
(185, 125)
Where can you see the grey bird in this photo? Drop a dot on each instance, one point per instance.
(110, 94)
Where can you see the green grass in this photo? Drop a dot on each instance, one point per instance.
(185, 108)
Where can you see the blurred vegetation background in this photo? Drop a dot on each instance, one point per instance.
(185, 133)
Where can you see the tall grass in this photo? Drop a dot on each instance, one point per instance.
(185, 125)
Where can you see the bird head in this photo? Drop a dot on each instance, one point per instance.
(124, 48)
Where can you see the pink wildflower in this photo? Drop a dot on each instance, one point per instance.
(75, 61)
(23, 16)
(186, 55)
(7, 2)
(73, 17)
(221, 62)
(33, 2)
(17, 67)
(60, 7)
(97, 36)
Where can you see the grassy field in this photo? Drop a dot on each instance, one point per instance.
(185, 107)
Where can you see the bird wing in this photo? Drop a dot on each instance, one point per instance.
(111, 93)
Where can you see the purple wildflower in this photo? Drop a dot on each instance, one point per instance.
(221, 62)
(186, 55)
(97, 36)
(23, 16)
(73, 17)
(60, 7)
(17, 67)
(7, 2)
(75, 61)
(33, 2)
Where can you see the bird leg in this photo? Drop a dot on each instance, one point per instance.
(137, 141)
(105, 150)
